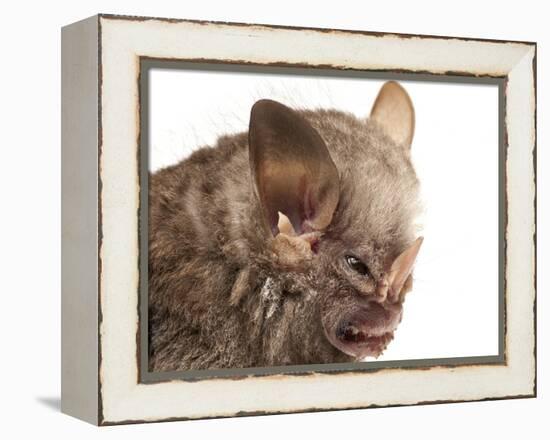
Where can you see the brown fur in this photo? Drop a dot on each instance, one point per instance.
(220, 295)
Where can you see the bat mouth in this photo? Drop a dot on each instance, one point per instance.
(365, 332)
(361, 342)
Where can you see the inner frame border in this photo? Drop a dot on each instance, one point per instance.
(147, 63)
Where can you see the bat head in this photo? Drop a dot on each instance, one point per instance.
(337, 197)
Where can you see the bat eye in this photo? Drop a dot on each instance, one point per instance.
(357, 265)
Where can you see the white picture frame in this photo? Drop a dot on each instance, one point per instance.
(103, 183)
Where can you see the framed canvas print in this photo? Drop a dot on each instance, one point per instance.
(265, 219)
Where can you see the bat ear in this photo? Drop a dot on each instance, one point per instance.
(292, 169)
(394, 112)
(399, 277)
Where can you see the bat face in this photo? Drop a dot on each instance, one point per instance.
(338, 197)
(364, 306)
(342, 303)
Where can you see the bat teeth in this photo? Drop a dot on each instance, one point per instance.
(353, 334)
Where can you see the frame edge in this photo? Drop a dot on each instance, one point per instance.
(79, 213)
(128, 17)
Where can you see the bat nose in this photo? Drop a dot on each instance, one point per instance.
(381, 292)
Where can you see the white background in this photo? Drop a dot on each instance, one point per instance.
(30, 219)
(453, 309)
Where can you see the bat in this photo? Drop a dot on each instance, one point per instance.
(292, 243)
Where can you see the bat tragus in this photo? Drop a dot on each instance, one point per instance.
(293, 243)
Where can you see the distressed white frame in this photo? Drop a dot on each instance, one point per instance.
(120, 398)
